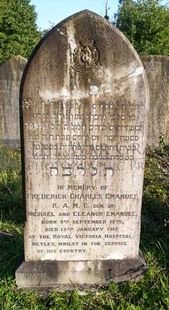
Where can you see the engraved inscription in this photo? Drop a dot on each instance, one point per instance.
(65, 148)
(72, 223)
(84, 159)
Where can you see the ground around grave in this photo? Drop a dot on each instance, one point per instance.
(151, 293)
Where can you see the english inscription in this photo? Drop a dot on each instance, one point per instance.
(84, 107)
(64, 146)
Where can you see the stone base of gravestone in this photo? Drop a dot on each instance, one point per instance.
(13, 144)
(81, 274)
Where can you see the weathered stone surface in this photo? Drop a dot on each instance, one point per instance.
(10, 78)
(59, 274)
(84, 113)
(157, 69)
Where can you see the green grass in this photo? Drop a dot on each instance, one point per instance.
(151, 293)
(11, 209)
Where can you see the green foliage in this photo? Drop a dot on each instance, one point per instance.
(155, 210)
(146, 25)
(10, 186)
(156, 180)
(18, 29)
(150, 293)
(11, 242)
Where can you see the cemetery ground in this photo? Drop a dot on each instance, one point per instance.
(150, 293)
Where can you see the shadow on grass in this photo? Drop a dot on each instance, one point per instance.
(11, 211)
(155, 234)
(11, 249)
(155, 206)
(11, 206)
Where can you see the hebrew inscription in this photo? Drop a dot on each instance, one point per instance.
(75, 146)
(84, 107)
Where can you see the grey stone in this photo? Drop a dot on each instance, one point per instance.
(84, 118)
(157, 70)
(10, 78)
(59, 274)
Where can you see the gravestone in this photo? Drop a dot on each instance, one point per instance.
(10, 78)
(157, 70)
(84, 112)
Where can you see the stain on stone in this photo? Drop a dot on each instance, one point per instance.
(84, 108)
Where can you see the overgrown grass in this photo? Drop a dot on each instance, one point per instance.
(11, 209)
(151, 293)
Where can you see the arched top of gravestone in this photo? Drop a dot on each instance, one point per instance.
(86, 48)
